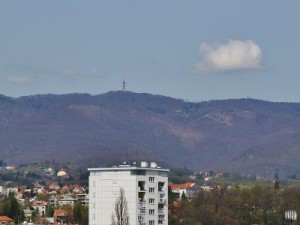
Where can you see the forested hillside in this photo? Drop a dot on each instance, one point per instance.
(245, 135)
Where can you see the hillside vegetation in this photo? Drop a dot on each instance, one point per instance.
(245, 135)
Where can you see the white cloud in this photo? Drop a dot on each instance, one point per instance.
(235, 55)
(17, 79)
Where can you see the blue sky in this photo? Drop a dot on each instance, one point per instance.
(193, 50)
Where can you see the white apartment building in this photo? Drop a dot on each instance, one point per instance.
(145, 188)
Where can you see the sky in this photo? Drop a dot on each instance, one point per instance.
(189, 49)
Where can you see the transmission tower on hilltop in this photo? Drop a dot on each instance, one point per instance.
(124, 83)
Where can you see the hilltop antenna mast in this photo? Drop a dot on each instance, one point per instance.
(124, 83)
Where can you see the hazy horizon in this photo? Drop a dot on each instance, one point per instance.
(192, 50)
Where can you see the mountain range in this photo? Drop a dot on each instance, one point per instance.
(246, 136)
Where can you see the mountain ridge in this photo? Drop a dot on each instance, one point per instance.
(237, 135)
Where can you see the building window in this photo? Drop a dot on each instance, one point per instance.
(141, 219)
(151, 190)
(151, 211)
(138, 172)
(151, 201)
(163, 174)
(161, 219)
(161, 186)
(151, 222)
(151, 179)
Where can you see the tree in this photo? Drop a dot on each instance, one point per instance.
(80, 213)
(10, 207)
(120, 215)
(50, 211)
(276, 179)
(183, 197)
(172, 196)
(84, 220)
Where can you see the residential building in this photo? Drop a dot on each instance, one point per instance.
(145, 189)
(179, 189)
(83, 198)
(3, 191)
(28, 213)
(11, 190)
(54, 187)
(193, 191)
(65, 190)
(76, 189)
(52, 200)
(63, 216)
(62, 173)
(4, 220)
(67, 200)
(48, 171)
(40, 207)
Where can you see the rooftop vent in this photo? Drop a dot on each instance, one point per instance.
(153, 165)
(124, 165)
(144, 164)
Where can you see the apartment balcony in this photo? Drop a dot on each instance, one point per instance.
(162, 201)
(162, 195)
(161, 186)
(142, 211)
(161, 190)
(142, 205)
(141, 219)
(142, 186)
(141, 189)
(161, 211)
(161, 221)
(142, 196)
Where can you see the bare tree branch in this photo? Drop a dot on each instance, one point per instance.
(120, 216)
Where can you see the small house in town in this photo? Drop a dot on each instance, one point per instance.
(4, 220)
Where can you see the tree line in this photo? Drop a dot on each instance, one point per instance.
(237, 206)
(10, 207)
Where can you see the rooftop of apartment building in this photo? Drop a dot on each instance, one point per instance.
(126, 166)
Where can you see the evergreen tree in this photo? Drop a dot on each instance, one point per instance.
(276, 179)
(77, 208)
(171, 196)
(11, 208)
(183, 197)
(50, 211)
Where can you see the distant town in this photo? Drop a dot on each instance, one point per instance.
(52, 193)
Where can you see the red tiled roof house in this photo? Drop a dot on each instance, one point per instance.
(6, 220)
